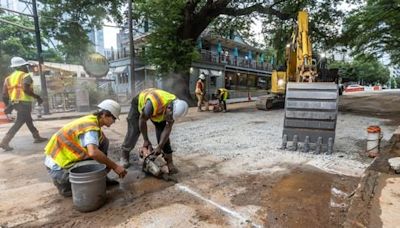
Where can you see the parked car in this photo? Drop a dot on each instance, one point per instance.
(354, 88)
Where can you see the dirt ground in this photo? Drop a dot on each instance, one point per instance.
(232, 174)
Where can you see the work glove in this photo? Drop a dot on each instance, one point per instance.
(39, 100)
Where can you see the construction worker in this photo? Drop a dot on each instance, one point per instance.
(79, 141)
(18, 90)
(200, 93)
(222, 96)
(162, 108)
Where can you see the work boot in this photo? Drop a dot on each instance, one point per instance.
(4, 143)
(38, 138)
(125, 159)
(170, 164)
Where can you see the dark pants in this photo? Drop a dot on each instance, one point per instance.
(61, 177)
(23, 117)
(133, 132)
(223, 102)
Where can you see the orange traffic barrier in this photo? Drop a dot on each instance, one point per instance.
(3, 116)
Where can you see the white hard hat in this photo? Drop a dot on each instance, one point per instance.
(18, 61)
(111, 106)
(180, 108)
(202, 76)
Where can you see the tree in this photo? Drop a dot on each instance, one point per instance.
(366, 72)
(373, 29)
(70, 21)
(177, 24)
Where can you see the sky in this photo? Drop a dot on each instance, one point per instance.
(110, 37)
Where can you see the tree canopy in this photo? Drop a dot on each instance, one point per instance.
(15, 41)
(363, 71)
(374, 29)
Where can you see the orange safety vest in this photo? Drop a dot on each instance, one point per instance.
(199, 87)
(64, 146)
(15, 87)
(159, 99)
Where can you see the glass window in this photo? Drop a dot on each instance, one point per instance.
(252, 80)
(242, 81)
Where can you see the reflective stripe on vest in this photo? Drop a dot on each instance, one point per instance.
(159, 100)
(15, 87)
(64, 146)
(224, 93)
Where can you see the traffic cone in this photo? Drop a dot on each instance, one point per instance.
(248, 96)
(3, 116)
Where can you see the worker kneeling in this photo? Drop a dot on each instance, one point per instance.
(162, 108)
(222, 95)
(80, 140)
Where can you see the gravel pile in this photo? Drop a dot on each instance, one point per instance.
(256, 137)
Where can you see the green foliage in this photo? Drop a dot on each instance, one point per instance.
(324, 16)
(364, 71)
(393, 83)
(374, 29)
(397, 80)
(167, 50)
(70, 21)
(15, 41)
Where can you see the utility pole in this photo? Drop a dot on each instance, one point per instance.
(131, 48)
(40, 60)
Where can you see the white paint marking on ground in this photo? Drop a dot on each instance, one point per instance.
(338, 192)
(222, 208)
(337, 205)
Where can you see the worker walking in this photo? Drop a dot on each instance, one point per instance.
(162, 108)
(200, 93)
(80, 140)
(222, 96)
(18, 90)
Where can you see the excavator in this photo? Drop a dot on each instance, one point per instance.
(311, 101)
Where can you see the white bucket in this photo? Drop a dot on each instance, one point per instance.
(373, 140)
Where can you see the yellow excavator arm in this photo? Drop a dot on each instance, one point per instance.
(300, 66)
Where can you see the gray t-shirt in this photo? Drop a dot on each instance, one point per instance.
(148, 109)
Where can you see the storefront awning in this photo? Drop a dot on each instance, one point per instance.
(120, 69)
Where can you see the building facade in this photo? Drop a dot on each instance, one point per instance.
(227, 63)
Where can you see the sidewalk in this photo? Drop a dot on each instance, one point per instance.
(70, 115)
(124, 110)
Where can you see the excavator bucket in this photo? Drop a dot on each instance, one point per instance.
(310, 116)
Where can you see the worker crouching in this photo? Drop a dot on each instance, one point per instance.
(80, 140)
(162, 108)
(222, 95)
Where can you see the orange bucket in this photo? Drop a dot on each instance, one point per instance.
(373, 140)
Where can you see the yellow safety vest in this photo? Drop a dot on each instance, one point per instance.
(64, 146)
(159, 99)
(15, 87)
(224, 93)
